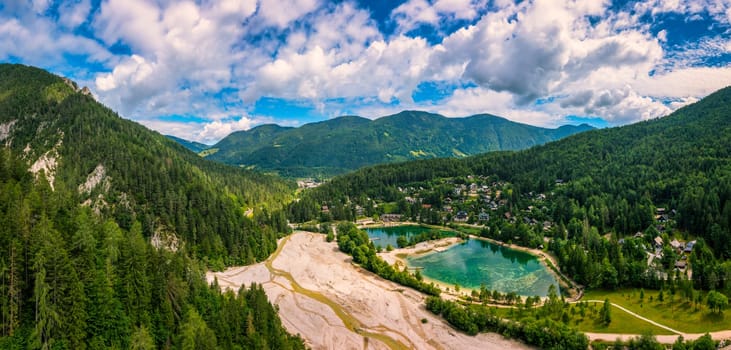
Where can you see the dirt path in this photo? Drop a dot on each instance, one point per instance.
(636, 316)
(665, 339)
(334, 304)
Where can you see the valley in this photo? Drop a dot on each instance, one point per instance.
(119, 224)
(329, 174)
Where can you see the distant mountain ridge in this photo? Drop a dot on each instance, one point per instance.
(191, 145)
(346, 143)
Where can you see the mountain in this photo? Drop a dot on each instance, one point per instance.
(127, 171)
(107, 229)
(350, 142)
(195, 147)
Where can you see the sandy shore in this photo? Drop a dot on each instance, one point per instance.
(334, 304)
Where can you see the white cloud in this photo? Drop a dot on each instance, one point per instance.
(717, 9)
(685, 83)
(342, 55)
(471, 101)
(134, 22)
(73, 13)
(37, 41)
(182, 53)
(413, 13)
(282, 12)
(536, 48)
(210, 132)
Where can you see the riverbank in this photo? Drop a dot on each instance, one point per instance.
(334, 304)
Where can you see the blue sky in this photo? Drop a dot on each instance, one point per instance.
(202, 69)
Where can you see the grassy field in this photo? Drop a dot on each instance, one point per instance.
(674, 312)
(622, 322)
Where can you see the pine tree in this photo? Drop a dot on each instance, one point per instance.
(195, 334)
(141, 339)
(606, 314)
(47, 318)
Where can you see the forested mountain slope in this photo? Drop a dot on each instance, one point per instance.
(346, 143)
(123, 169)
(84, 192)
(613, 177)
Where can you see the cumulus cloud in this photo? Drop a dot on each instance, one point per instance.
(27, 34)
(73, 13)
(343, 56)
(536, 48)
(183, 50)
(282, 12)
(413, 13)
(534, 61)
(208, 132)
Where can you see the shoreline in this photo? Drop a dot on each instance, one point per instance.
(543, 257)
(399, 255)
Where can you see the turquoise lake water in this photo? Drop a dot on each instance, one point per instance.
(383, 236)
(475, 262)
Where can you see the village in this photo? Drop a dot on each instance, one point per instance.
(484, 204)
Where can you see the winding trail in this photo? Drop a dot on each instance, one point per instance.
(636, 316)
(665, 339)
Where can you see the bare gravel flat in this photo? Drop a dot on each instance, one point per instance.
(334, 304)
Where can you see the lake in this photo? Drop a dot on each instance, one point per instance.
(383, 236)
(476, 262)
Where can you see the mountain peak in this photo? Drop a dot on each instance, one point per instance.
(345, 143)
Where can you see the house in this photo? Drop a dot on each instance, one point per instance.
(325, 209)
(689, 246)
(681, 264)
(658, 242)
(461, 216)
(391, 217)
(483, 216)
(675, 244)
(364, 222)
(426, 206)
(659, 211)
(639, 235)
(358, 210)
(546, 225)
